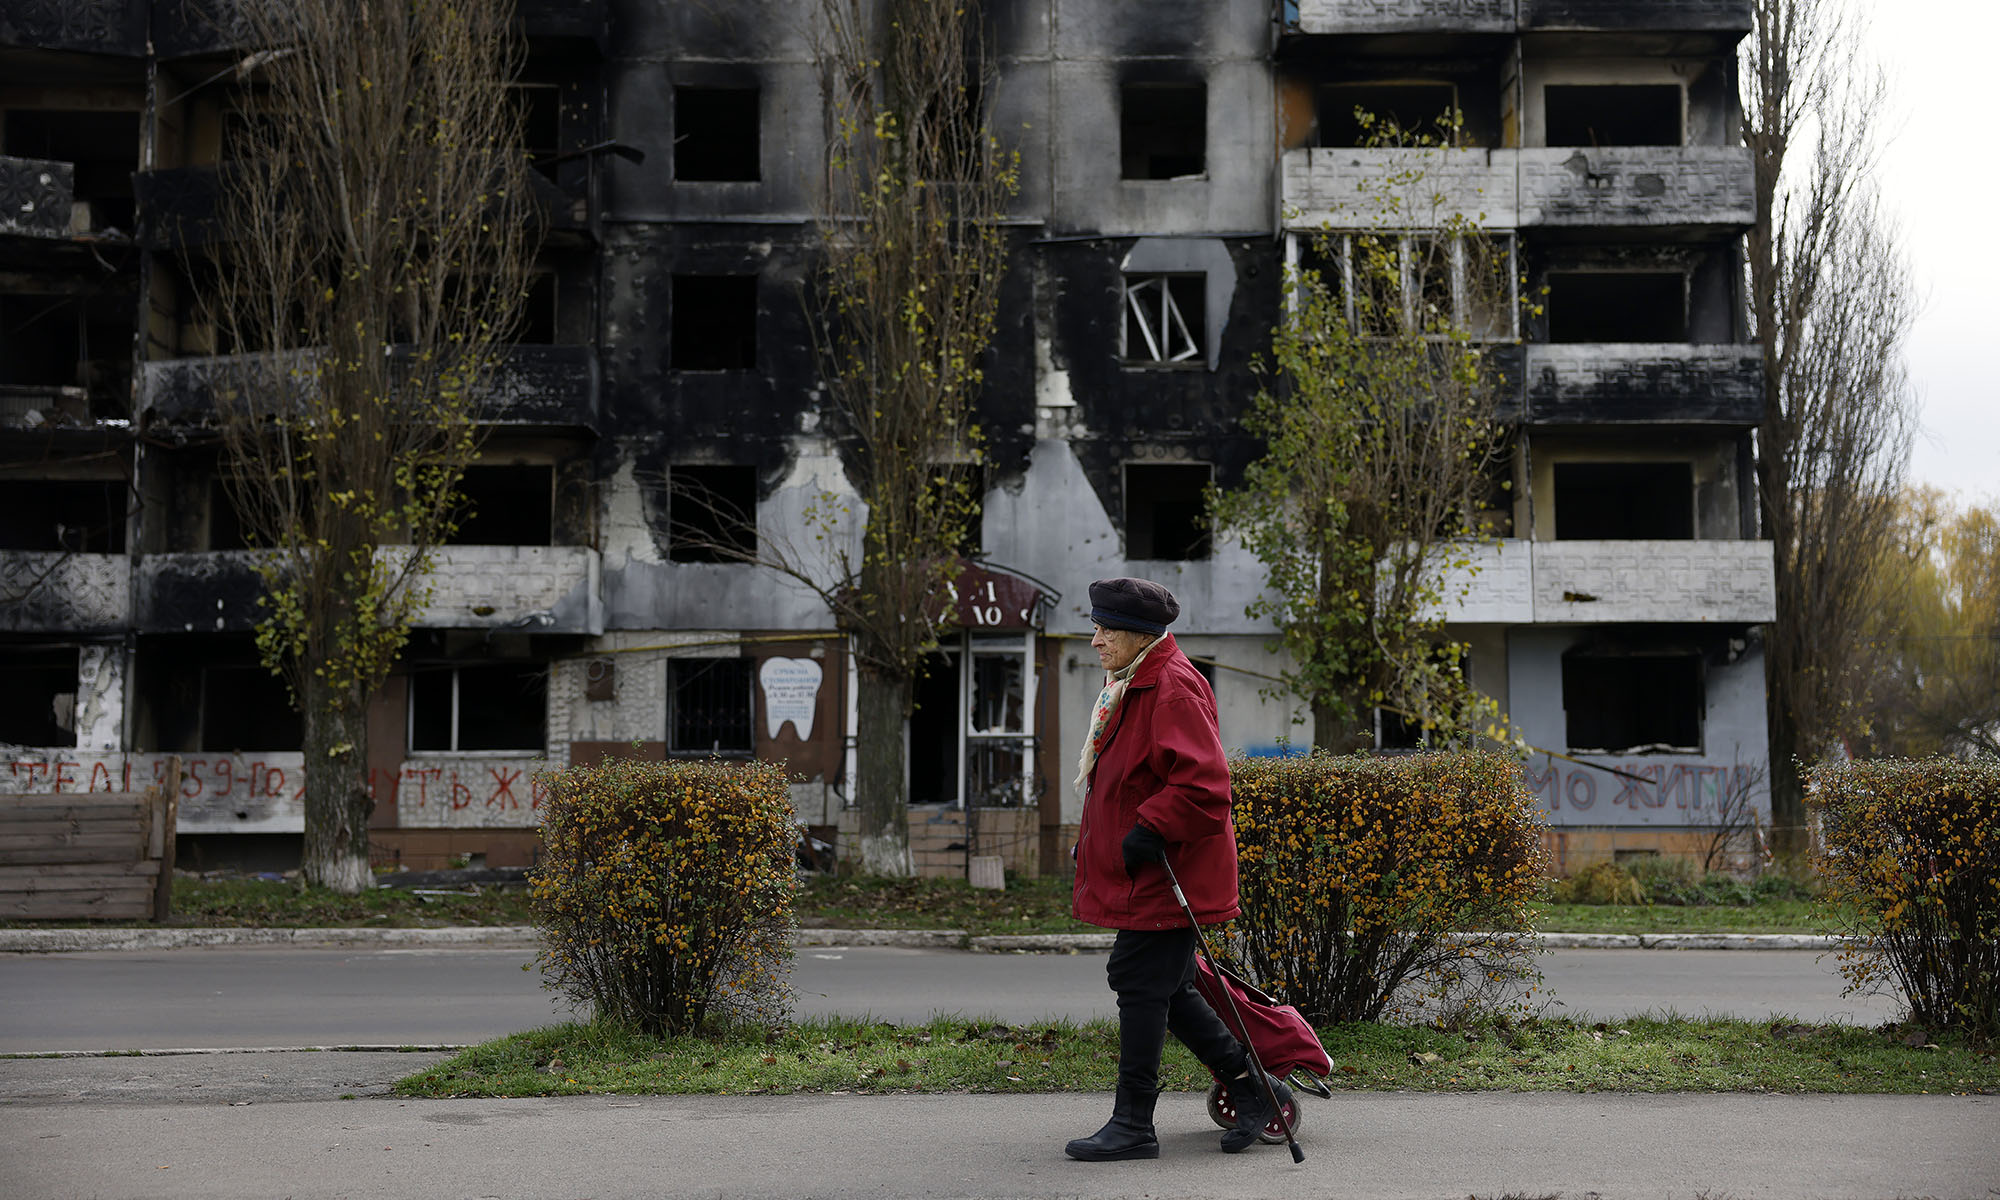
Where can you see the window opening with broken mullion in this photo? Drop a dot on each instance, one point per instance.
(1155, 312)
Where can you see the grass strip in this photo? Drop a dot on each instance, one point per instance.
(1668, 1053)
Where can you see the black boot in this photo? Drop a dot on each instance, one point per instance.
(1129, 1133)
(1253, 1110)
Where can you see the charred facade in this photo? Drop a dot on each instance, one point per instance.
(1173, 155)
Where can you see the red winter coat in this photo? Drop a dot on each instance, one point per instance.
(1162, 763)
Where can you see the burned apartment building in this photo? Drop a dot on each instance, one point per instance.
(1174, 156)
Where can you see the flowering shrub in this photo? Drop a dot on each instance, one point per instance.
(665, 891)
(1911, 862)
(1381, 887)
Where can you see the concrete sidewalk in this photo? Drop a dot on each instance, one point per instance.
(52, 941)
(1373, 1145)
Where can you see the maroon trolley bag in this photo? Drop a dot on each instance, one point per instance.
(1283, 1038)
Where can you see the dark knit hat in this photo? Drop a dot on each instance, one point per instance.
(1137, 604)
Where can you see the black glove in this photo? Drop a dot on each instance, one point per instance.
(1142, 846)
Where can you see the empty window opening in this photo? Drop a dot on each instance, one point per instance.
(711, 514)
(491, 706)
(1166, 511)
(1632, 703)
(79, 516)
(714, 323)
(715, 135)
(247, 708)
(1162, 130)
(1164, 317)
(103, 147)
(538, 312)
(1624, 501)
(226, 527)
(64, 342)
(506, 506)
(541, 123)
(1421, 108)
(1617, 306)
(709, 705)
(38, 694)
(934, 732)
(1612, 114)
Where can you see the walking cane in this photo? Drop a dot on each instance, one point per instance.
(1256, 1064)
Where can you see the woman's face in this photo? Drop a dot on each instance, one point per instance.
(1116, 648)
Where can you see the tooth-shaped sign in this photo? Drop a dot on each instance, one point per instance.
(791, 693)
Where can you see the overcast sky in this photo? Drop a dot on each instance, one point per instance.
(1938, 177)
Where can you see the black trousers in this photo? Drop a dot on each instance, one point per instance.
(1153, 973)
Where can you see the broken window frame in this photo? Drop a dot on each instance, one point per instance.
(1159, 344)
(992, 728)
(1132, 122)
(456, 714)
(51, 657)
(699, 667)
(1700, 700)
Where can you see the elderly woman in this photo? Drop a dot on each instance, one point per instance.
(1155, 788)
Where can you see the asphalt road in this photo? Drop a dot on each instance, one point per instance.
(269, 996)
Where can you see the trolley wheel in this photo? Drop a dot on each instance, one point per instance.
(1223, 1113)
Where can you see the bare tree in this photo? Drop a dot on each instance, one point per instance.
(1380, 419)
(381, 237)
(1831, 305)
(902, 311)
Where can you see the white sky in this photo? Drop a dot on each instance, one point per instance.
(1939, 177)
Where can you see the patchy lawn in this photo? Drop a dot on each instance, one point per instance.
(1665, 1054)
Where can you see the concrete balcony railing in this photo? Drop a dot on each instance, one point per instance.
(1591, 384)
(532, 386)
(1355, 188)
(185, 27)
(1519, 582)
(55, 591)
(37, 196)
(524, 589)
(1722, 16)
(1635, 187)
(1505, 16)
(1406, 16)
(115, 27)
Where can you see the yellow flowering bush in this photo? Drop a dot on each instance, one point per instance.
(1379, 887)
(1910, 854)
(665, 891)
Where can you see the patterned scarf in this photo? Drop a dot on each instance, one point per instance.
(1108, 700)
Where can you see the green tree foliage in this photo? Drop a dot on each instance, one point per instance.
(1933, 671)
(380, 238)
(1379, 416)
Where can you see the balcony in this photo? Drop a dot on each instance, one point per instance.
(1348, 187)
(551, 387)
(115, 27)
(1637, 186)
(1518, 582)
(1589, 384)
(565, 20)
(55, 591)
(522, 589)
(1405, 16)
(36, 406)
(1721, 16)
(1643, 187)
(36, 197)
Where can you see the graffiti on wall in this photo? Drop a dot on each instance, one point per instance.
(265, 793)
(1645, 793)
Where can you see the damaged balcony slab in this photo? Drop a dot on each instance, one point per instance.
(1718, 16)
(1592, 384)
(37, 196)
(60, 592)
(522, 589)
(1405, 16)
(1726, 582)
(532, 386)
(113, 27)
(1645, 186)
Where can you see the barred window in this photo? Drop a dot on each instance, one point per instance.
(708, 702)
